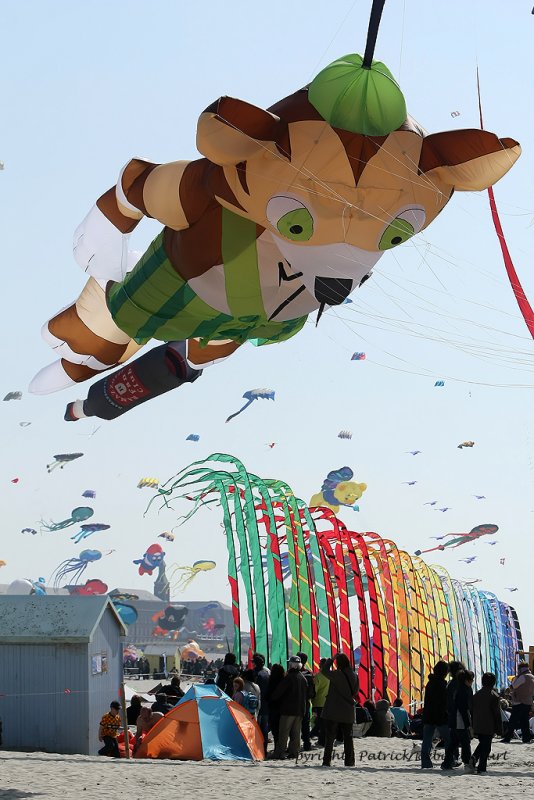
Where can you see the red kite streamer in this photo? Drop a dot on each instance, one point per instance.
(520, 296)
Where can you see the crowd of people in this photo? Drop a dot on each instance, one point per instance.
(196, 667)
(294, 706)
(457, 714)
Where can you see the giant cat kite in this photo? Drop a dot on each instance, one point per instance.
(287, 213)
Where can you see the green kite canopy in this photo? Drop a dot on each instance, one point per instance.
(358, 99)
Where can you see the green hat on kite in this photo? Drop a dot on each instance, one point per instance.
(358, 99)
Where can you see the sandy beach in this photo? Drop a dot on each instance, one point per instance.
(382, 766)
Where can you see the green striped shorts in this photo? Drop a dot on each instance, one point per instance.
(153, 301)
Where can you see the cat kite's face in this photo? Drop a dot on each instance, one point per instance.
(335, 201)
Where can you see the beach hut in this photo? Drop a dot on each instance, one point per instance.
(163, 657)
(204, 724)
(61, 666)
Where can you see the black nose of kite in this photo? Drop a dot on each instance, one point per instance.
(332, 291)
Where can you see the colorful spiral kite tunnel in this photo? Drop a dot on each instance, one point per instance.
(391, 613)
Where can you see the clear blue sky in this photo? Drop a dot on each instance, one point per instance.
(86, 86)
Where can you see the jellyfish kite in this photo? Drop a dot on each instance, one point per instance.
(86, 531)
(250, 396)
(79, 514)
(75, 567)
(61, 459)
(189, 573)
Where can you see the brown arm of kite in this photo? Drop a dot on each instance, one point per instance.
(151, 190)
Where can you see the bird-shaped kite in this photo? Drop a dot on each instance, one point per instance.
(511, 588)
(414, 452)
(445, 508)
(480, 496)
(410, 483)
(468, 560)
(430, 503)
